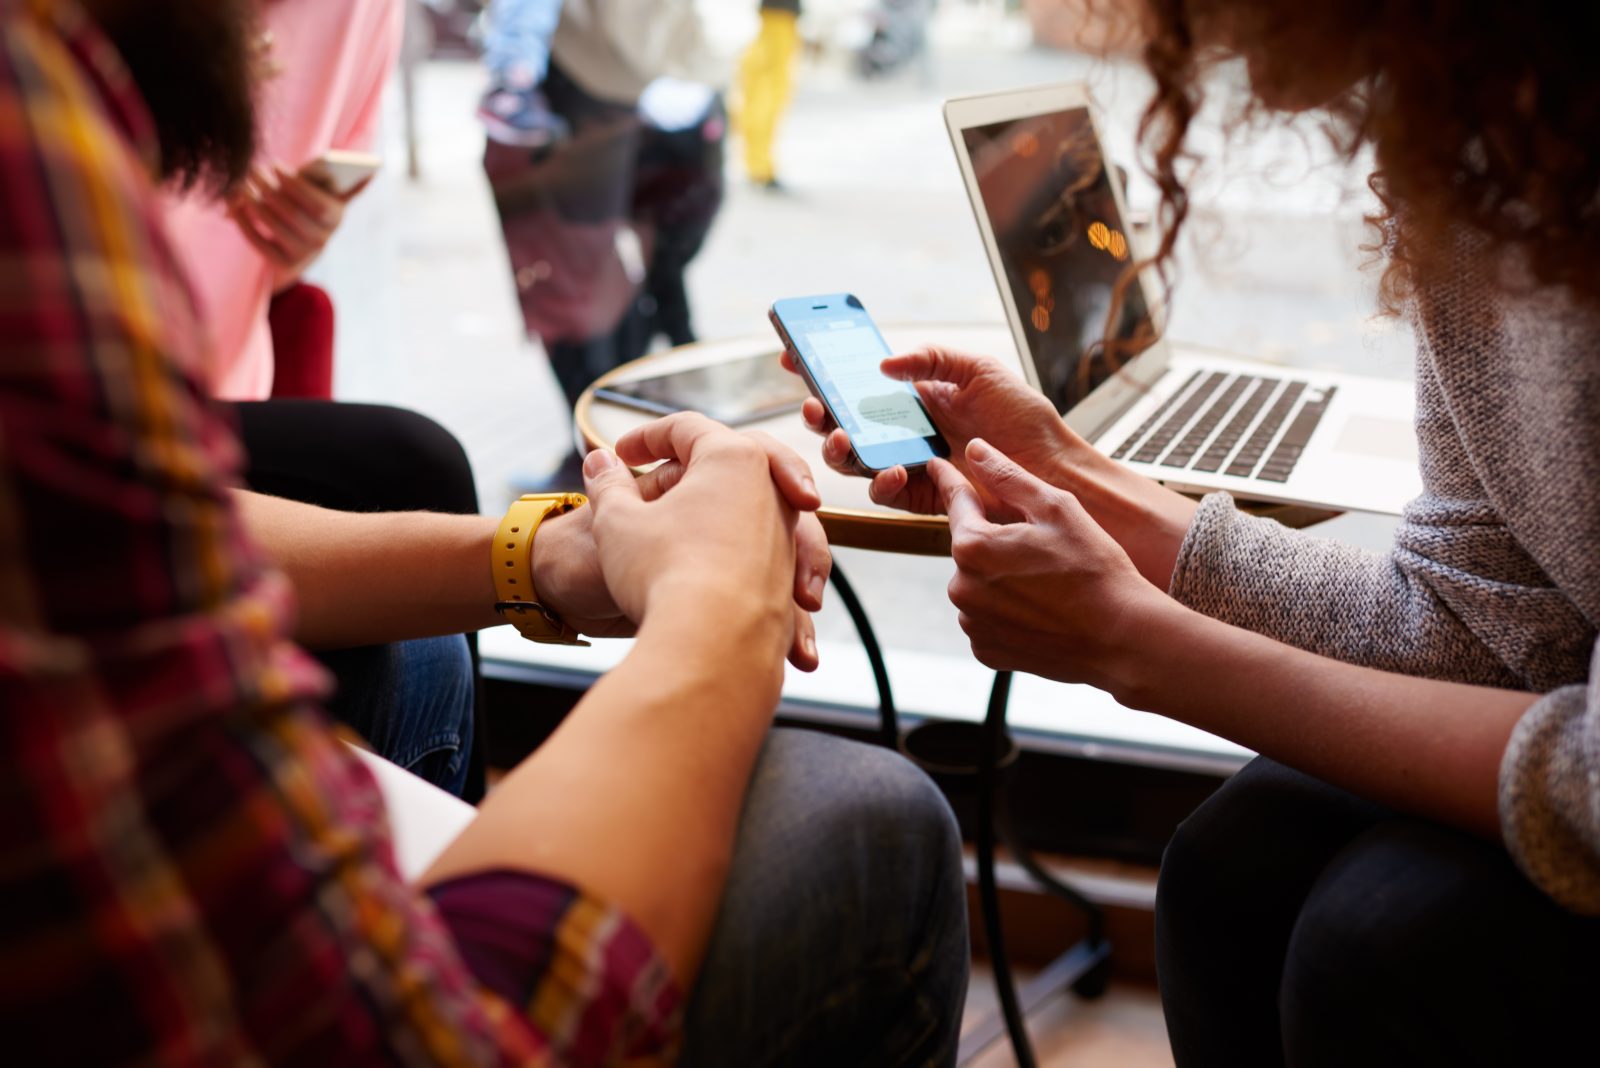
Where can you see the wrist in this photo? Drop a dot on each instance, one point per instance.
(740, 639)
(1132, 675)
(527, 537)
(562, 549)
(712, 601)
(721, 612)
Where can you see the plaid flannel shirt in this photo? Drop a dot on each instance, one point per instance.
(193, 869)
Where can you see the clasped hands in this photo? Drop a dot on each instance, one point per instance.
(721, 535)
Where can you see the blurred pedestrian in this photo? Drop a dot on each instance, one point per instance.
(766, 83)
(600, 227)
(516, 49)
(898, 36)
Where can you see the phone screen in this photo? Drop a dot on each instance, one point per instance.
(841, 350)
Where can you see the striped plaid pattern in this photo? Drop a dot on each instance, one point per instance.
(193, 870)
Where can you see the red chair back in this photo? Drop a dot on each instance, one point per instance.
(301, 320)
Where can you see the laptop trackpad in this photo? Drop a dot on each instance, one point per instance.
(1372, 435)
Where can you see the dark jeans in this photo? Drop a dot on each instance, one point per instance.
(414, 702)
(842, 935)
(1297, 924)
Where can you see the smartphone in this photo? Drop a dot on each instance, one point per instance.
(839, 350)
(342, 173)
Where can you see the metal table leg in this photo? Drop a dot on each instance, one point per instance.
(888, 719)
(964, 751)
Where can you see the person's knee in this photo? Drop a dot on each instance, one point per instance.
(864, 828)
(412, 701)
(448, 708)
(1216, 867)
(1195, 866)
(1243, 832)
(847, 881)
(1183, 863)
(1186, 890)
(868, 796)
(1397, 939)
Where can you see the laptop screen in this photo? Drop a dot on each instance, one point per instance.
(1047, 194)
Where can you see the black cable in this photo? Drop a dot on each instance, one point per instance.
(888, 720)
(988, 891)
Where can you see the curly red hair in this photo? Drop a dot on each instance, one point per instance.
(1484, 119)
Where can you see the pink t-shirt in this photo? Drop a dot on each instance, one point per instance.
(333, 58)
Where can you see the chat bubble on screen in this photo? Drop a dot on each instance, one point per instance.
(888, 408)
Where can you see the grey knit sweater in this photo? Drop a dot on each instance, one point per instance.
(1494, 576)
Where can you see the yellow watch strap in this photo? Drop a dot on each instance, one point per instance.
(512, 562)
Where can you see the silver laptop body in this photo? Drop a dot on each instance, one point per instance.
(1052, 222)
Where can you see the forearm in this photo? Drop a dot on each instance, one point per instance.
(369, 578)
(1419, 745)
(636, 797)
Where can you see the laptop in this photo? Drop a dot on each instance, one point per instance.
(1054, 225)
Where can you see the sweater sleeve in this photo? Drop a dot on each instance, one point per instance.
(1454, 598)
(1550, 793)
(1457, 596)
(1448, 601)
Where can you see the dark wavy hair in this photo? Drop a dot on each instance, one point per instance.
(1483, 119)
(195, 64)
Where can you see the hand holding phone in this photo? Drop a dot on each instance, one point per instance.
(290, 216)
(838, 350)
(344, 174)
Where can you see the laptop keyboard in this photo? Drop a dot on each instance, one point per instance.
(1196, 422)
(1144, 427)
(1157, 443)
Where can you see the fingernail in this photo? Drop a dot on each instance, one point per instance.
(815, 587)
(810, 487)
(978, 449)
(811, 646)
(599, 460)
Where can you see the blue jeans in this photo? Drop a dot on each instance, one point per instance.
(516, 48)
(842, 935)
(412, 702)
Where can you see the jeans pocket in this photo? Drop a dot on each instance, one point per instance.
(439, 759)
